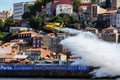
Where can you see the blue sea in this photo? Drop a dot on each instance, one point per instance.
(50, 79)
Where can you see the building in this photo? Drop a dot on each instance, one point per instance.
(115, 19)
(1, 42)
(63, 6)
(27, 34)
(83, 10)
(17, 29)
(37, 41)
(94, 10)
(20, 8)
(85, 1)
(55, 42)
(101, 2)
(38, 54)
(111, 34)
(61, 57)
(48, 9)
(5, 14)
(93, 30)
(115, 4)
(106, 16)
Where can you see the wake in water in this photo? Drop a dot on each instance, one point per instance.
(94, 52)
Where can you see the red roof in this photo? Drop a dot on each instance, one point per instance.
(61, 2)
(85, 4)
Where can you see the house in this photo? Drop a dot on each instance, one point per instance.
(6, 58)
(63, 6)
(38, 54)
(107, 16)
(61, 57)
(27, 34)
(17, 29)
(94, 10)
(37, 41)
(93, 30)
(111, 34)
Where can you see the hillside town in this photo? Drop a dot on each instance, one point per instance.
(27, 34)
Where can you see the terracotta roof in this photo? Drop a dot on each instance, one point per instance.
(82, 6)
(88, 28)
(26, 60)
(61, 54)
(109, 28)
(6, 56)
(51, 34)
(61, 2)
(40, 36)
(22, 43)
(85, 4)
(110, 11)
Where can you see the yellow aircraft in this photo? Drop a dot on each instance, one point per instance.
(52, 25)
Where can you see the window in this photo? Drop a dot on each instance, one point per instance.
(60, 10)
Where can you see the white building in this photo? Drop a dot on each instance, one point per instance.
(64, 8)
(85, 1)
(48, 9)
(20, 8)
(115, 19)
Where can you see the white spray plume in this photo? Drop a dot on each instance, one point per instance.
(67, 30)
(94, 52)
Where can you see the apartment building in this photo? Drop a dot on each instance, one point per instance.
(20, 8)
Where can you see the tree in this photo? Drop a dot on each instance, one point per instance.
(26, 15)
(1, 25)
(9, 23)
(32, 10)
(35, 22)
(93, 1)
(76, 4)
(108, 4)
(56, 19)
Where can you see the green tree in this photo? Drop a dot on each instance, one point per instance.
(32, 10)
(73, 19)
(93, 1)
(1, 25)
(65, 18)
(108, 4)
(9, 23)
(76, 4)
(56, 19)
(35, 22)
(26, 15)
